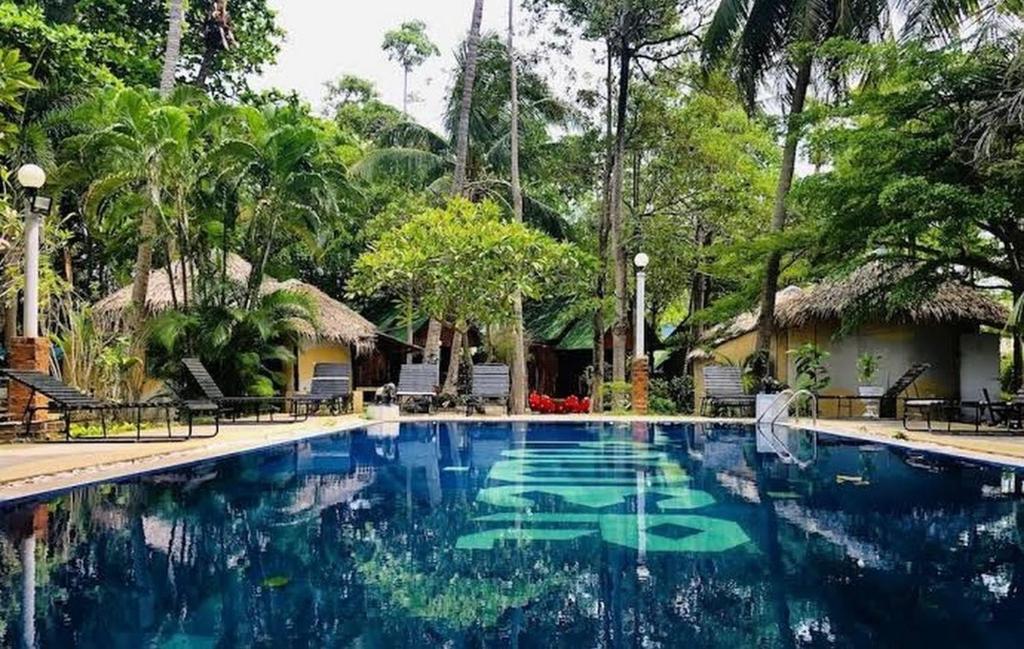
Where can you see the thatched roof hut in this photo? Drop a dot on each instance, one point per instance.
(865, 293)
(336, 322)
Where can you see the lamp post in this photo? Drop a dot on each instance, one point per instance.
(32, 178)
(30, 352)
(640, 370)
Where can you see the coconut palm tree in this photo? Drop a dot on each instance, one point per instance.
(517, 396)
(757, 38)
(172, 50)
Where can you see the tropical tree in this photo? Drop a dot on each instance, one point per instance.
(175, 17)
(469, 265)
(131, 145)
(247, 349)
(632, 30)
(410, 46)
(290, 184)
(517, 398)
(758, 38)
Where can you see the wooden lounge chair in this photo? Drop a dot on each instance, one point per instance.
(229, 405)
(417, 383)
(490, 382)
(66, 401)
(331, 387)
(723, 388)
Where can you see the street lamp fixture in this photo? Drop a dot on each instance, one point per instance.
(640, 261)
(32, 178)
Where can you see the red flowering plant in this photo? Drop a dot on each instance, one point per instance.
(546, 405)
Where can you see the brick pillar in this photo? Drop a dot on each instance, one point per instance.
(640, 376)
(26, 354)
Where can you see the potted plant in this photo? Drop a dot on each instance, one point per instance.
(867, 370)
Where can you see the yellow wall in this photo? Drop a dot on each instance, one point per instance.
(311, 353)
(900, 345)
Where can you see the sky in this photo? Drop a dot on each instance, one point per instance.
(328, 38)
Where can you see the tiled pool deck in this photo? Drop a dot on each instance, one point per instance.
(31, 468)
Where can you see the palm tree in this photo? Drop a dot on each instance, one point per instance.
(172, 51)
(287, 183)
(517, 397)
(132, 144)
(758, 37)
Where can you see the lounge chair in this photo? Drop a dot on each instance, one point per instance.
(888, 400)
(723, 388)
(490, 382)
(331, 386)
(66, 400)
(229, 405)
(417, 383)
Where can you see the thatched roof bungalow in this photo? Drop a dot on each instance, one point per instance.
(859, 313)
(339, 334)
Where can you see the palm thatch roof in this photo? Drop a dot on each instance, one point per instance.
(868, 293)
(335, 321)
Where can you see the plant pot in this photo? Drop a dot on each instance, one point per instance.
(870, 405)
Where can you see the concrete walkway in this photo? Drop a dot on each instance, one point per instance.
(28, 469)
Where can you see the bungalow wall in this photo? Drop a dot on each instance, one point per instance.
(900, 345)
(309, 354)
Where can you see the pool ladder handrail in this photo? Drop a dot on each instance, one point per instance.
(784, 410)
(778, 445)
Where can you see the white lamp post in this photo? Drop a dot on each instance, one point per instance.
(640, 261)
(32, 178)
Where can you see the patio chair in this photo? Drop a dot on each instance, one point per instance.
(331, 386)
(887, 402)
(417, 384)
(229, 405)
(490, 382)
(67, 400)
(723, 388)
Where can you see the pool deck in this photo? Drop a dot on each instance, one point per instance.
(28, 469)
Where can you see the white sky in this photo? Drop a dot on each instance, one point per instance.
(328, 38)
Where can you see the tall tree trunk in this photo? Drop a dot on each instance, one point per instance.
(219, 38)
(597, 382)
(462, 146)
(766, 322)
(10, 322)
(451, 379)
(144, 254)
(432, 347)
(517, 396)
(468, 79)
(172, 50)
(405, 91)
(620, 330)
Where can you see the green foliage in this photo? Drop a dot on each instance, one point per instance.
(246, 350)
(811, 373)
(463, 263)
(867, 367)
(670, 395)
(616, 397)
(97, 361)
(409, 45)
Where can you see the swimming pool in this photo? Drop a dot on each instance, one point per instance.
(531, 535)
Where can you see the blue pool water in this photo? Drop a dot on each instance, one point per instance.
(516, 535)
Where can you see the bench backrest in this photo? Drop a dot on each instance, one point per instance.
(420, 378)
(905, 381)
(202, 377)
(331, 380)
(723, 381)
(491, 380)
(56, 391)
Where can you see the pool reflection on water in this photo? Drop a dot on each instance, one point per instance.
(527, 535)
